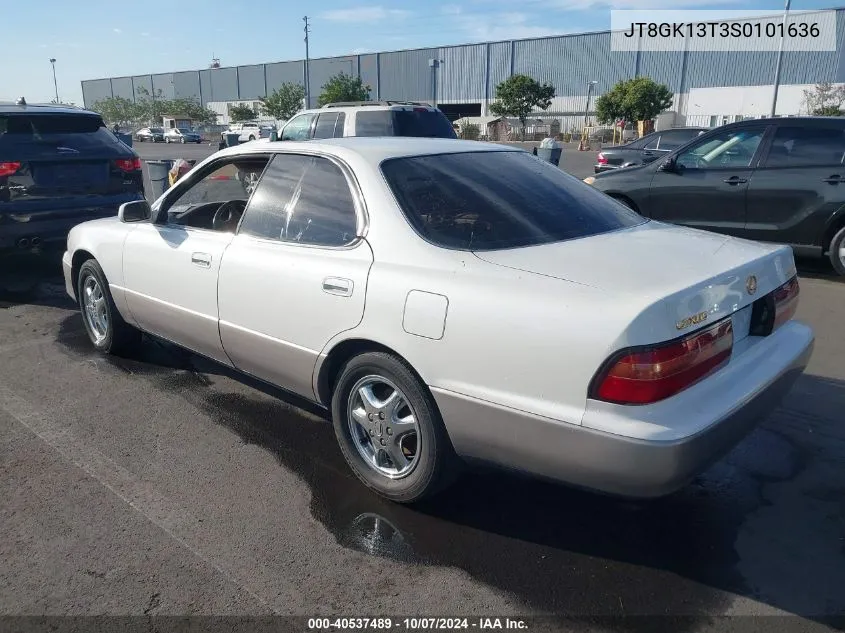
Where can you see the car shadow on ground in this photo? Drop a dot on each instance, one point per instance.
(32, 279)
(556, 549)
(817, 268)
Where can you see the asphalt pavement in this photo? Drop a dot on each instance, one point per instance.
(163, 484)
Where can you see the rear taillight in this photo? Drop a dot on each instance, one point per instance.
(602, 159)
(786, 301)
(8, 168)
(128, 164)
(650, 374)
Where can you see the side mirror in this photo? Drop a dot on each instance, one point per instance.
(135, 211)
(669, 165)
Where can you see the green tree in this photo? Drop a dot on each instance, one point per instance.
(117, 110)
(150, 105)
(519, 96)
(825, 99)
(241, 112)
(343, 87)
(470, 131)
(283, 102)
(639, 99)
(193, 109)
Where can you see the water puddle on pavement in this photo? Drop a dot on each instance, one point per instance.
(556, 549)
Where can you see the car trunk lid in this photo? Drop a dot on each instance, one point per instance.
(683, 279)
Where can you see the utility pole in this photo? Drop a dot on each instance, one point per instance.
(307, 73)
(55, 84)
(590, 85)
(780, 60)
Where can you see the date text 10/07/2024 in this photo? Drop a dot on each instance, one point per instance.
(416, 624)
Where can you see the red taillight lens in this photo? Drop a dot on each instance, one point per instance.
(602, 160)
(128, 164)
(786, 301)
(655, 373)
(9, 168)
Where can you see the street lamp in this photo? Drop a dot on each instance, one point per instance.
(779, 61)
(434, 64)
(55, 85)
(590, 85)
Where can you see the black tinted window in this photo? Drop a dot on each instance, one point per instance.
(329, 125)
(303, 199)
(43, 124)
(803, 146)
(378, 123)
(671, 140)
(422, 123)
(494, 200)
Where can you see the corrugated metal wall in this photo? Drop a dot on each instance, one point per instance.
(251, 82)
(471, 73)
(144, 82)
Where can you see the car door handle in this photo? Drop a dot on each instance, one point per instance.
(648, 153)
(201, 259)
(338, 286)
(835, 179)
(735, 180)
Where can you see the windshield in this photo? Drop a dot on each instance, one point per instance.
(156, 130)
(496, 200)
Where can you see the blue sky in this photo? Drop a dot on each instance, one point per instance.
(99, 38)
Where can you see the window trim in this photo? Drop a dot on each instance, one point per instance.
(362, 218)
(186, 183)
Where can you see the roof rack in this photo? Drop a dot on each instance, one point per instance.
(358, 104)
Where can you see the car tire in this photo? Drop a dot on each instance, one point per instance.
(167, 140)
(837, 251)
(182, 140)
(251, 137)
(428, 460)
(105, 326)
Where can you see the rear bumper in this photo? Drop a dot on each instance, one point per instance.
(52, 231)
(626, 465)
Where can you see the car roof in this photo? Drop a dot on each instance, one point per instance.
(372, 148)
(10, 107)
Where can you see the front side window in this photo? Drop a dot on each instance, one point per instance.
(500, 199)
(302, 199)
(230, 183)
(297, 128)
(728, 149)
(329, 125)
(805, 146)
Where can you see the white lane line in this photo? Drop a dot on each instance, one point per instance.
(175, 521)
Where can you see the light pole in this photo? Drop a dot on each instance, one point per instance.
(434, 64)
(780, 59)
(590, 85)
(55, 84)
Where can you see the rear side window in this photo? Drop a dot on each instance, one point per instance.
(671, 140)
(46, 124)
(378, 123)
(496, 200)
(803, 146)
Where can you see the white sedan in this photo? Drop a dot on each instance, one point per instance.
(453, 300)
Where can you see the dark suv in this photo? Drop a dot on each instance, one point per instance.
(59, 166)
(775, 180)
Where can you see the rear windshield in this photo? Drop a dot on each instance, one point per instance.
(425, 123)
(47, 124)
(496, 200)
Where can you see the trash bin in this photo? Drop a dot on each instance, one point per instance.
(550, 151)
(158, 170)
(126, 139)
(232, 139)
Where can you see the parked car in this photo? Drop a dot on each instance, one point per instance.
(776, 180)
(248, 131)
(625, 355)
(182, 135)
(644, 150)
(59, 166)
(151, 134)
(368, 118)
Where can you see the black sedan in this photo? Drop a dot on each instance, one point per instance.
(152, 134)
(644, 150)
